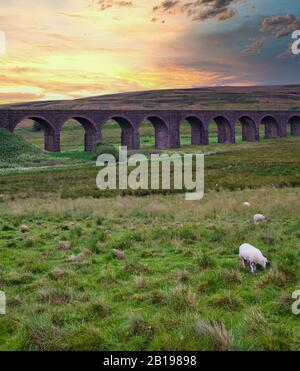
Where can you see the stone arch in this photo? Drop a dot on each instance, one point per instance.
(272, 129)
(225, 134)
(51, 141)
(249, 129)
(294, 122)
(199, 134)
(128, 138)
(162, 136)
(90, 131)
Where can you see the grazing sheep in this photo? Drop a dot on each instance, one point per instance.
(251, 254)
(246, 204)
(24, 228)
(258, 218)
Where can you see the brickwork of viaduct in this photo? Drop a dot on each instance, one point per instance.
(166, 124)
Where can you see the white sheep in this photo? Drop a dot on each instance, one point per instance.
(246, 204)
(251, 254)
(258, 218)
(24, 228)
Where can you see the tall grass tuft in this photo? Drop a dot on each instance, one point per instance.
(218, 337)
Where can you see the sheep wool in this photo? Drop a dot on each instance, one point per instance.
(258, 218)
(252, 255)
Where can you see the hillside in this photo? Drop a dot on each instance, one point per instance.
(254, 97)
(17, 152)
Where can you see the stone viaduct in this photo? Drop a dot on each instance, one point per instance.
(166, 124)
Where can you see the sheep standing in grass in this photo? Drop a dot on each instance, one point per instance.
(246, 204)
(258, 218)
(251, 254)
(24, 228)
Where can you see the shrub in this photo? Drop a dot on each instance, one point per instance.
(101, 149)
(219, 339)
(37, 335)
(205, 261)
(255, 321)
(229, 277)
(55, 296)
(274, 277)
(100, 308)
(137, 325)
(187, 234)
(84, 338)
(181, 276)
(181, 298)
(120, 242)
(139, 282)
(157, 297)
(226, 301)
(119, 254)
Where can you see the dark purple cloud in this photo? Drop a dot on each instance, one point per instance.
(281, 26)
(167, 5)
(199, 10)
(275, 27)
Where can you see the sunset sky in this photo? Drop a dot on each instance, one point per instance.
(64, 49)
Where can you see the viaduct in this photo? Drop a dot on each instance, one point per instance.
(166, 124)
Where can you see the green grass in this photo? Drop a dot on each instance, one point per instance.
(23, 149)
(16, 152)
(240, 166)
(152, 272)
(177, 285)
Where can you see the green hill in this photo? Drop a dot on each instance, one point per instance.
(17, 152)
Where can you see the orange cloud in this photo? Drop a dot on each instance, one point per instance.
(67, 49)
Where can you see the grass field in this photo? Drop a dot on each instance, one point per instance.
(149, 273)
(152, 272)
(244, 165)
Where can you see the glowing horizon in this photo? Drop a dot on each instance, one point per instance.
(73, 49)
